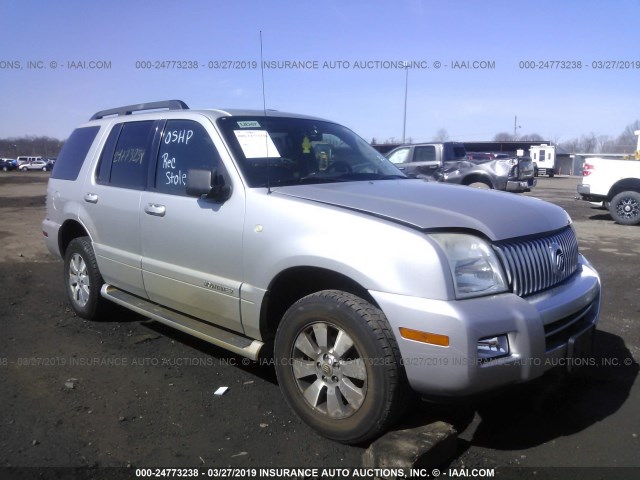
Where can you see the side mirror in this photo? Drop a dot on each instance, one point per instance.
(207, 183)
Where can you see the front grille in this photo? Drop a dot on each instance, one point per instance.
(536, 264)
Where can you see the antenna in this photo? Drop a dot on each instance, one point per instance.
(264, 111)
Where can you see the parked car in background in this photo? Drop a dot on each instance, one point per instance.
(35, 165)
(616, 184)
(7, 164)
(22, 159)
(449, 162)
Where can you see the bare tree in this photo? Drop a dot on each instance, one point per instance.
(627, 140)
(531, 137)
(587, 143)
(441, 135)
(503, 137)
(603, 142)
(30, 145)
(571, 146)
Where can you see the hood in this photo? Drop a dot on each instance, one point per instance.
(423, 205)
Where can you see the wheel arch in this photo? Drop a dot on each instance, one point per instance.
(297, 282)
(478, 177)
(69, 230)
(623, 185)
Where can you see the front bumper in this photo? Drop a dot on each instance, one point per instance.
(541, 330)
(521, 185)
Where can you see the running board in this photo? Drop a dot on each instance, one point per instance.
(226, 339)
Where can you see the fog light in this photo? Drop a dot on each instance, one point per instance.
(493, 347)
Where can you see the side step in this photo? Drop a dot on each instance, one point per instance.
(231, 341)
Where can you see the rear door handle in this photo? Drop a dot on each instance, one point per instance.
(155, 209)
(91, 198)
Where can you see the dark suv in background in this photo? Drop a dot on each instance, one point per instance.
(7, 164)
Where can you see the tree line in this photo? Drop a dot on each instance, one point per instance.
(14, 147)
(626, 142)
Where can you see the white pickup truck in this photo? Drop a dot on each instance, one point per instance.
(616, 182)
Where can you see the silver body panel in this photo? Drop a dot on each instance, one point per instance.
(216, 261)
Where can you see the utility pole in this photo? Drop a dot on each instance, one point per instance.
(515, 127)
(406, 85)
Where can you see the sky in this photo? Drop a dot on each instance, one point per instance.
(563, 68)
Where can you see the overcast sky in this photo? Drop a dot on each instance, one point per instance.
(544, 61)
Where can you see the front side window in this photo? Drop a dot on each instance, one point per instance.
(399, 156)
(277, 151)
(184, 145)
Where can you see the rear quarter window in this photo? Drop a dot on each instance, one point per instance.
(73, 153)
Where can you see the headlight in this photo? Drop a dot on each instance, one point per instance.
(474, 266)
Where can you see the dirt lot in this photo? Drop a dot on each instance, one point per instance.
(130, 392)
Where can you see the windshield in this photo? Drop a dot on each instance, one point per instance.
(278, 151)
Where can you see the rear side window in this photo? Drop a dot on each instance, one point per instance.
(131, 156)
(73, 153)
(185, 145)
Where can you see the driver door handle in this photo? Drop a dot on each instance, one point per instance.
(155, 209)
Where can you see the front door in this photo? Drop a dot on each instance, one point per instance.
(192, 247)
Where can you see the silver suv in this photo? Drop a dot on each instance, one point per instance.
(276, 234)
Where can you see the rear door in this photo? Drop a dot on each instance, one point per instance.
(425, 161)
(112, 201)
(192, 247)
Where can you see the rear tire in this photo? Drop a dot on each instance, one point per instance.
(83, 280)
(625, 208)
(339, 366)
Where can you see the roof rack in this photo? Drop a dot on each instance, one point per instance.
(129, 109)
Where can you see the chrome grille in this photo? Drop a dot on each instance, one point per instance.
(535, 264)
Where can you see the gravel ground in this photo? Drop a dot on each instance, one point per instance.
(130, 392)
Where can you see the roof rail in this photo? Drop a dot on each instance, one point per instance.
(129, 109)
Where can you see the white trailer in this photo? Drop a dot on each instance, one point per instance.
(544, 159)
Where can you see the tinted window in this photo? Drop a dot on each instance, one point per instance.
(424, 154)
(185, 145)
(131, 155)
(73, 153)
(454, 152)
(104, 166)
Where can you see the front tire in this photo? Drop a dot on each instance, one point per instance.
(83, 280)
(625, 208)
(338, 366)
